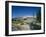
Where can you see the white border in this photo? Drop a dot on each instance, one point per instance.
(29, 31)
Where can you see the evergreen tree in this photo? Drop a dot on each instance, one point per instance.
(39, 16)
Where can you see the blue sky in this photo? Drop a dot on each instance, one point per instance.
(24, 11)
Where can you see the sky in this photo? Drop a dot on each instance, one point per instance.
(24, 11)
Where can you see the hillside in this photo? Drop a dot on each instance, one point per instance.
(25, 23)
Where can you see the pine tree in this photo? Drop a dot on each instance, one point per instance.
(39, 16)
